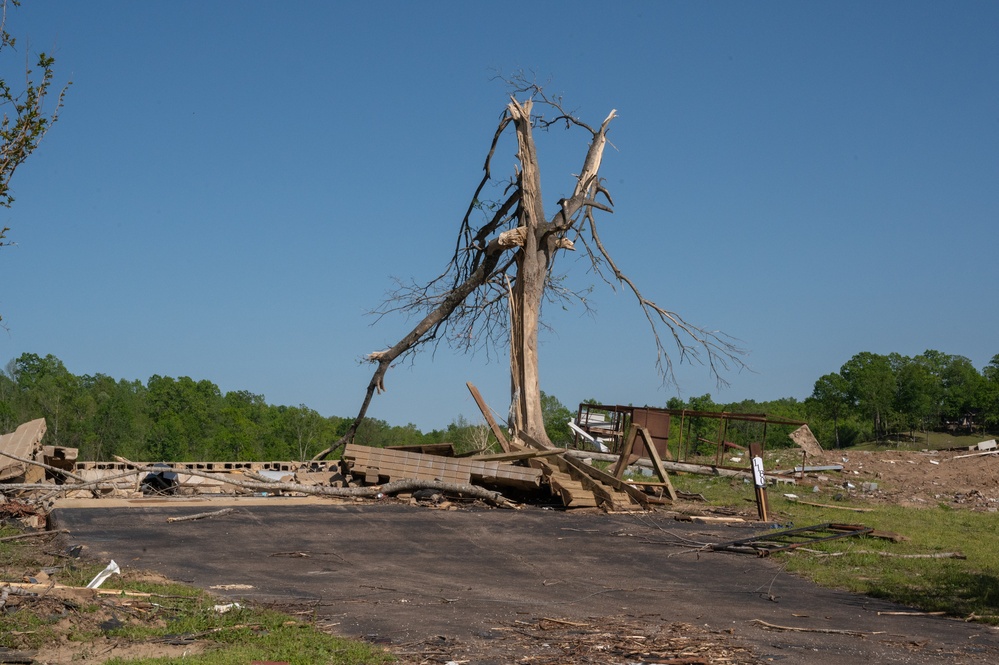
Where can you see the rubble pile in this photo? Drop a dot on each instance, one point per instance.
(33, 475)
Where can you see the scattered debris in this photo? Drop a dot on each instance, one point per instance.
(934, 555)
(806, 440)
(111, 569)
(18, 447)
(988, 452)
(827, 505)
(226, 607)
(200, 516)
(780, 541)
(833, 631)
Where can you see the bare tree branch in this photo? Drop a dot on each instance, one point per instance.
(500, 272)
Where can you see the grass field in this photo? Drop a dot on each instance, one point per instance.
(913, 572)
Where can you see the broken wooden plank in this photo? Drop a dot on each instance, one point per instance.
(826, 505)
(990, 452)
(440, 449)
(532, 442)
(656, 461)
(637, 495)
(484, 408)
(398, 465)
(626, 453)
(681, 467)
(516, 456)
(200, 516)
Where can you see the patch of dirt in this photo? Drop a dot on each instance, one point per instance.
(74, 622)
(907, 478)
(100, 650)
(554, 641)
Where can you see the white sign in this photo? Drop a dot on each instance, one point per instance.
(758, 476)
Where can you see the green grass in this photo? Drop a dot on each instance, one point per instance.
(251, 634)
(966, 588)
(238, 636)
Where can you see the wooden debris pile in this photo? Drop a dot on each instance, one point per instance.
(611, 640)
(23, 458)
(37, 474)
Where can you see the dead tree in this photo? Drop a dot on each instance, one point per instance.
(500, 273)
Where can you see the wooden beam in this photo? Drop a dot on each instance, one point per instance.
(515, 456)
(657, 462)
(626, 453)
(637, 495)
(484, 408)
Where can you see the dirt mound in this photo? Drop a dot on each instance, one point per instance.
(959, 479)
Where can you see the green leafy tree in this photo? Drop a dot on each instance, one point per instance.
(48, 391)
(183, 414)
(301, 430)
(116, 424)
(831, 396)
(24, 118)
(916, 395)
(961, 383)
(556, 417)
(871, 384)
(990, 392)
(465, 435)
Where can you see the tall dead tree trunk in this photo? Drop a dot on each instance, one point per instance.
(506, 262)
(533, 262)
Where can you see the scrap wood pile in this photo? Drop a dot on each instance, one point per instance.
(33, 475)
(611, 640)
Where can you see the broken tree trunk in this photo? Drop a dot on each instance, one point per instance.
(533, 261)
(480, 262)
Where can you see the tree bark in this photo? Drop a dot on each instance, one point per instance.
(532, 272)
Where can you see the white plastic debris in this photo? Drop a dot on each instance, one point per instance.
(222, 609)
(112, 569)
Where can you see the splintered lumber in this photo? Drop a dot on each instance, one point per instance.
(200, 516)
(609, 496)
(517, 456)
(636, 495)
(640, 437)
(42, 465)
(18, 448)
(32, 586)
(682, 467)
(657, 462)
(830, 631)
(571, 491)
(441, 449)
(532, 442)
(484, 408)
(396, 487)
(827, 505)
(375, 464)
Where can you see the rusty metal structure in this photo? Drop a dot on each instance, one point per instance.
(669, 429)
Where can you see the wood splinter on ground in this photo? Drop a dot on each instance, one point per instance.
(200, 516)
(832, 631)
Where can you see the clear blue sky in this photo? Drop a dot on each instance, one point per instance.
(232, 185)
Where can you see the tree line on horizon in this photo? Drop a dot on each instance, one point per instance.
(871, 398)
(880, 398)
